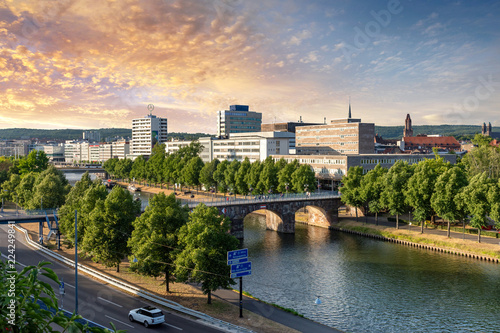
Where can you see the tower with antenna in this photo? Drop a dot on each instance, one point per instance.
(349, 108)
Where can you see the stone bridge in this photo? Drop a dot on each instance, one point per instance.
(280, 211)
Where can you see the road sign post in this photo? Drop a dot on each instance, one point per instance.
(62, 292)
(240, 266)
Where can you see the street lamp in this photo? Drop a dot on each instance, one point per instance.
(286, 187)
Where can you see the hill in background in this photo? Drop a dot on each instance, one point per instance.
(77, 134)
(387, 132)
(458, 131)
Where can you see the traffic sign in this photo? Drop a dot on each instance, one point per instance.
(237, 254)
(237, 261)
(245, 266)
(240, 274)
(61, 288)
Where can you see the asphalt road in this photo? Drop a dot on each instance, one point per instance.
(96, 301)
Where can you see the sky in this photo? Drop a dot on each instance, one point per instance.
(99, 63)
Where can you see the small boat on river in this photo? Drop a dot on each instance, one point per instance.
(132, 188)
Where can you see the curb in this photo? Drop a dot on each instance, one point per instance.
(417, 245)
(228, 327)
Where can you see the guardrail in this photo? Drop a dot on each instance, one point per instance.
(139, 292)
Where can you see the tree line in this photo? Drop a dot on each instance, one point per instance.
(468, 191)
(186, 168)
(166, 240)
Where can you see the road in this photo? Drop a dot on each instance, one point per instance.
(96, 301)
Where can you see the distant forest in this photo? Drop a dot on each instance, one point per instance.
(387, 132)
(77, 134)
(458, 131)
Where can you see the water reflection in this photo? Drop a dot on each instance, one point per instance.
(368, 285)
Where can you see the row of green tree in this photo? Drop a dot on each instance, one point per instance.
(32, 183)
(469, 190)
(185, 167)
(166, 240)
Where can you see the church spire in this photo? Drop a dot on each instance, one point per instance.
(349, 107)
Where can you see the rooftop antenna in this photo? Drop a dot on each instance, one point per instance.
(300, 120)
(151, 107)
(324, 120)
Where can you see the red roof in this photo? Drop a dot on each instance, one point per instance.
(495, 143)
(432, 141)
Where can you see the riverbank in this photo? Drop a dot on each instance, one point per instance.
(431, 239)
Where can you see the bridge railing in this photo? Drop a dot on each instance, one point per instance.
(231, 200)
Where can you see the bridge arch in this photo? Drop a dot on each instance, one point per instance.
(280, 214)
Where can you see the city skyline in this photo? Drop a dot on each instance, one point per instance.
(89, 64)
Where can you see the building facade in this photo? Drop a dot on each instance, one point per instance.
(329, 169)
(120, 149)
(92, 136)
(408, 130)
(341, 136)
(238, 119)
(146, 132)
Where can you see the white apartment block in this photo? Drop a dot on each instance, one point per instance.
(146, 132)
(120, 149)
(105, 152)
(94, 153)
(254, 146)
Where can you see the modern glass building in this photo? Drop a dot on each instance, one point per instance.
(238, 119)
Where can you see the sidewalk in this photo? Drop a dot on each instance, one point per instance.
(270, 312)
(417, 229)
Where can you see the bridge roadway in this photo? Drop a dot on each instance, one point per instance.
(322, 209)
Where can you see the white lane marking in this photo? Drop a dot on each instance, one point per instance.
(17, 262)
(119, 321)
(69, 285)
(105, 300)
(180, 329)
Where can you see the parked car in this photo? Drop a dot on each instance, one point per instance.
(148, 315)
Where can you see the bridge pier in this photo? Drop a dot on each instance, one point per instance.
(284, 223)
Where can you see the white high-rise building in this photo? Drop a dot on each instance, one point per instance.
(146, 132)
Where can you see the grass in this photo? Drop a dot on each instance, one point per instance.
(468, 246)
(292, 311)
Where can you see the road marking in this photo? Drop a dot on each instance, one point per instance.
(105, 300)
(69, 285)
(17, 262)
(119, 321)
(180, 329)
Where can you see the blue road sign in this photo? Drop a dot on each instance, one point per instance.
(240, 274)
(237, 254)
(237, 261)
(245, 266)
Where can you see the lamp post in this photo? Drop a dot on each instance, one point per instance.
(286, 188)
(306, 186)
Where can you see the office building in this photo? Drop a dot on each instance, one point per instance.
(92, 136)
(120, 149)
(238, 119)
(146, 132)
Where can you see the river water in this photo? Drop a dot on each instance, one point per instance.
(367, 285)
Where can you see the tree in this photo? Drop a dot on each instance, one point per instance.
(303, 179)
(421, 185)
(110, 166)
(393, 197)
(285, 176)
(219, 176)
(36, 161)
(5, 165)
(110, 226)
(138, 168)
(481, 140)
(9, 187)
(268, 181)
(25, 188)
(205, 240)
(50, 189)
(230, 175)
(190, 151)
(254, 176)
(154, 241)
(74, 201)
(155, 163)
(482, 159)
(191, 173)
(474, 199)
(494, 202)
(242, 176)
(123, 168)
(207, 174)
(351, 188)
(447, 187)
(371, 188)
(33, 301)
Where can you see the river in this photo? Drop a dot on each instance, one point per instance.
(368, 285)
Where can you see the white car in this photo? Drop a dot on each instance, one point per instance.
(147, 315)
